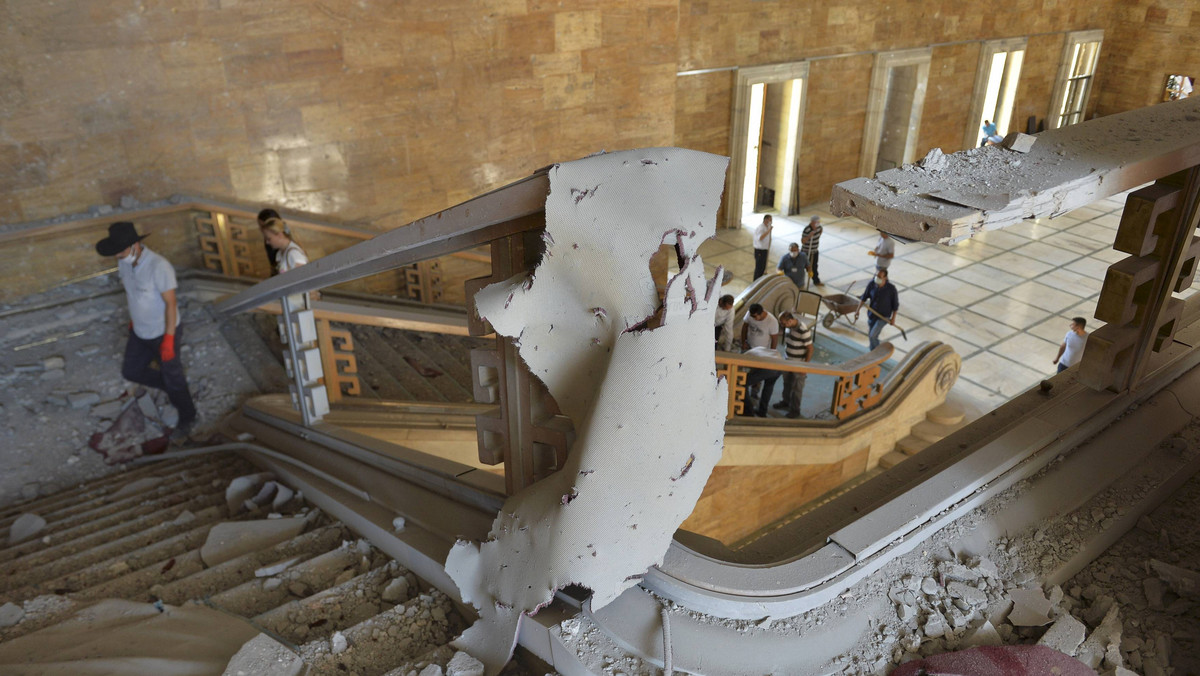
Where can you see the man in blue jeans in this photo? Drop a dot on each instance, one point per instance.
(884, 300)
(151, 358)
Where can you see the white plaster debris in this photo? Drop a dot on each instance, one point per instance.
(621, 384)
(24, 527)
(338, 643)
(463, 664)
(241, 489)
(934, 160)
(398, 524)
(1018, 142)
(396, 590)
(10, 614)
(277, 568)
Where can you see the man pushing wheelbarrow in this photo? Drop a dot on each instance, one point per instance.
(882, 301)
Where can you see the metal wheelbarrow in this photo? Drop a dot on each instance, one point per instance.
(840, 305)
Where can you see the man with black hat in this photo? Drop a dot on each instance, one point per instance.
(149, 282)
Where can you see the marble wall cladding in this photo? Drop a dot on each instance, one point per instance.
(1147, 41)
(371, 110)
(947, 109)
(1038, 72)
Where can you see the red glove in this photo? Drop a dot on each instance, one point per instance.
(167, 349)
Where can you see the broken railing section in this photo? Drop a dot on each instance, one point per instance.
(1158, 231)
(338, 362)
(858, 388)
(947, 198)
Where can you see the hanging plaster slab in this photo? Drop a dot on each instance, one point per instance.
(646, 402)
(994, 187)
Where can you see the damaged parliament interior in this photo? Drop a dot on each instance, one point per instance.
(484, 427)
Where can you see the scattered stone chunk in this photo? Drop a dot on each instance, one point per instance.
(1065, 635)
(135, 487)
(398, 524)
(985, 634)
(275, 569)
(338, 643)
(232, 539)
(432, 670)
(283, 495)
(264, 656)
(1031, 608)
(26, 526)
(1021, 143)
(83, 399)
(108, 410)
(463, 664)
(935, 160)
(1096, 647)
(1181, 580)
(55, 362)
(243, 488)
(10, 614)
(396, 591)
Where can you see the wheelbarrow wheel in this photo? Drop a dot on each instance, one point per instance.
(828, 321)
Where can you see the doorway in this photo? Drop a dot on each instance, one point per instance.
(768, 115)
(894, 110)
(995, 89)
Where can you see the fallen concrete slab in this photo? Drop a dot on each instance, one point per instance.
(232, 539)
(264, 656)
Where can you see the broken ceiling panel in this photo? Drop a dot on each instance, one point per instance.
(646, 402)
(945, 199)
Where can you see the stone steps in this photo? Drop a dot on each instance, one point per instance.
(344, 605)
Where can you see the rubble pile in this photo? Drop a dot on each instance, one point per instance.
(61, 386)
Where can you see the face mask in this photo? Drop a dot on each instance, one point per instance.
(879, 281)
(128, 260)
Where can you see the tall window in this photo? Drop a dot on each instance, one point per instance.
(995, 89)
(1075, 75)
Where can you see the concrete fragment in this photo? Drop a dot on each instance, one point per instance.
(55, 362)
(283, 495)
(26, 526)
(134, 487)
(277, 568)
(1095, 648)
(243, 488)
(83, 399)
(971, 595)
(396, 591)
(642, 371)
(148, 407)
(935, 626)
(930, 587)
(1021, 143)
(264, 656)
(265, 494)
(432, 670)
(108, 410)
(463, 664)
(934, 160)
(985, 634)
(1181, 580)
(398, 524)
(232, 539)
(10, 614)
(1031, 608)
(338, 643)
(186, 516)
(1065, 635)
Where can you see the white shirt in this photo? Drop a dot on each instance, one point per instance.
(760, 331)
(1074, 350)
(762, 237)
(145, 283)
(724, 319)
(882, 248)
(290, 257)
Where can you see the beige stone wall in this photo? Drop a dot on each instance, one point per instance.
(333, 107)
(730, 33)
(1036, 88)
(1148, 40)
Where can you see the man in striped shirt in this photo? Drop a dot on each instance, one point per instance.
(798, 344)
(810, 241)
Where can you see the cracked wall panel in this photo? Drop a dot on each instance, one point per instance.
(647, 406)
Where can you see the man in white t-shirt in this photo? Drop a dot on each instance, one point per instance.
(1071, 350)
(762, 245)
(759, 328)
(884, 251)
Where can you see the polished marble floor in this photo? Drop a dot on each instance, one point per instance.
(1003, 299)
